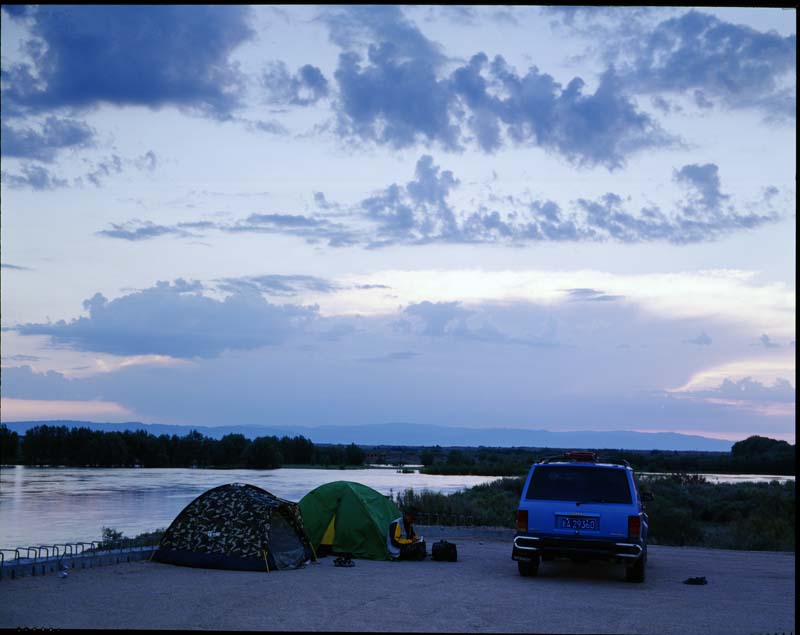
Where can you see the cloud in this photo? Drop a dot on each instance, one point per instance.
(135, 230)
(730, 65)
(704, 181)
(393, 100)
(278, 285)
(399, 100)
(154, 56)
(175, 320)
(105, 168)
(311, 229)
(399, 356)
(35, 177)
(418, 207)
(591, 295)
(56, 134)
(11, 267)
(701, 340)
(306, 87)
(39, 178)
(394, 90)
(420, 212)
(354, 27)
(767, 342)
(436, 316)
(748, 389)
(23, 358)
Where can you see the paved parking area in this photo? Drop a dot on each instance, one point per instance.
(747, 592)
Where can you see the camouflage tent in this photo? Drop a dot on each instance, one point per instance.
(236, 526)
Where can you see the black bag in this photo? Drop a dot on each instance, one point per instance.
(444, 551)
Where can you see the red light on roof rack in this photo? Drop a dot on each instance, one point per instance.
(581, 456)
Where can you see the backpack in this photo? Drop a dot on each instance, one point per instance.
(444, 551)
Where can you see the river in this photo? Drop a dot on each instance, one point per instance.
(56, 505)
(40, 506)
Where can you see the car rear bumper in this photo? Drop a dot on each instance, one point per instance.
(528, 546)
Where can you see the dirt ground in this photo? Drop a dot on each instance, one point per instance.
(747, 592)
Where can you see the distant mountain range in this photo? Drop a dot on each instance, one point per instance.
(420, 435)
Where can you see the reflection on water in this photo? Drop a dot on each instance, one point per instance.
(55, 505)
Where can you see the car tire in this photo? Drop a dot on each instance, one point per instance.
(528, 568)
(635, 572)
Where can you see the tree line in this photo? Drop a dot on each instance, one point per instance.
(83, 447)
(754, 455)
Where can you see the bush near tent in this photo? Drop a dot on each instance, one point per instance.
(236, 526)
(348, 517)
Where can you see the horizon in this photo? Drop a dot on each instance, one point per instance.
(418, 435)
(526, 218)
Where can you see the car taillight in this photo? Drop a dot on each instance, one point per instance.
(522, 520)
(634, 526)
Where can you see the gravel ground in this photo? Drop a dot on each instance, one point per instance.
(747, 592)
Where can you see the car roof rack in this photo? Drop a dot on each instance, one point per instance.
(582, 457)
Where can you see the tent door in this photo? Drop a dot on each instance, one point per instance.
(330, 532)
(284, 545)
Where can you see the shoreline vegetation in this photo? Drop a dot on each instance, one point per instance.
(48, 445)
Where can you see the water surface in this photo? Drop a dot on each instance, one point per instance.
(55, 505)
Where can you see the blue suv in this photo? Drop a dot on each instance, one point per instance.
(576, 506)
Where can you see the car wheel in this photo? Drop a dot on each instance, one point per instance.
(528, 568)
(635, 572)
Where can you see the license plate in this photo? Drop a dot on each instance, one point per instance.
(576, 522)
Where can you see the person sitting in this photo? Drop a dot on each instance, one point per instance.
(402, 541)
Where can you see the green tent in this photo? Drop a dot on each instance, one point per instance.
(348, 517)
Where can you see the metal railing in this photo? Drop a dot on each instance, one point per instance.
(42, 559)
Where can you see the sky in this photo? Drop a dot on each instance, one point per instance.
(556, 218)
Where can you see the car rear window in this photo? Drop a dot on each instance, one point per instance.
(584, 484)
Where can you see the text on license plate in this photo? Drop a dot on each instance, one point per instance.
(576, 522)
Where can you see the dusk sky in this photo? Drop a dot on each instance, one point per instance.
(550, 218)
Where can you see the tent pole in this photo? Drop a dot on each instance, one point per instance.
(266, 562)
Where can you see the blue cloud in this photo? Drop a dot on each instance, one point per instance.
(278, 285)
(400, 101)
(767, 341)
(136, 230)
(304, 88)
(176, 320)
(390, 357)
(698, 54)
(701, 340)
(748, 389)
(6, 265)
(35, 177)
(157, 55)
(56, 134)
(704, 181)
(591, 295)
(437, 316)
(393, 99)
(419, 212)
(416, 210)
(355, 26)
